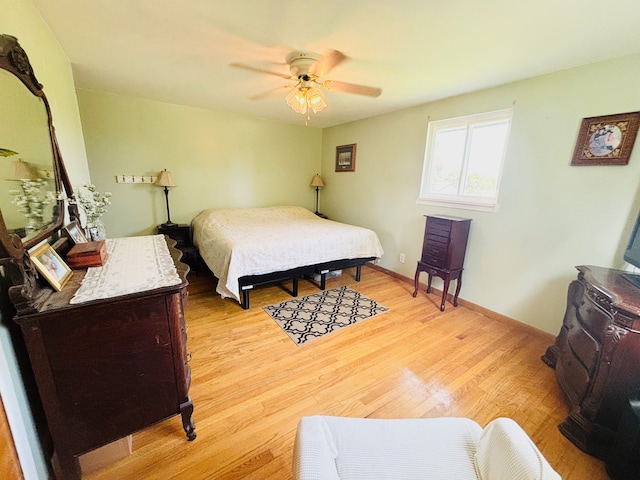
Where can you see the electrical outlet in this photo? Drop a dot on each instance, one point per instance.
(402, 258)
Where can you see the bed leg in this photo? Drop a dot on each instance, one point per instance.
(323, 281)
(245, 299)
(358, 268)
(295, 286)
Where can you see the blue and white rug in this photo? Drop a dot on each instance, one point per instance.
(310, 317)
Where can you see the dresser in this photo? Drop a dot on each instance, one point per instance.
(106, 368)
(596, 356)
(443, 250)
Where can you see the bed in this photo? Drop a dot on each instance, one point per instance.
(246, 247)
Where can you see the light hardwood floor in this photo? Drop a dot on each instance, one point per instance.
(251, 383)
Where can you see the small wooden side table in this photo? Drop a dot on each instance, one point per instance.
(443, 250)
(182, 235)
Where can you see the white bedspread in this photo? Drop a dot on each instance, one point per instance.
(235, 242)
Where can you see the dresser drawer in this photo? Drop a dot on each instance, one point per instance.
(435, 261)
(594, 319)
(584, 346)
(573, 377)
(430, 270)
(436, 240)
(438, 227)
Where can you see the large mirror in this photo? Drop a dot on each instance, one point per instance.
(32, 175)
(28, 191)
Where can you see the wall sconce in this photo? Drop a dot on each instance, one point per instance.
(166, 180)
(317, 182)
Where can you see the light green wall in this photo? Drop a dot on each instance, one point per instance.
(52, 68)
(520, 260)
(217, 159)
(552, 216)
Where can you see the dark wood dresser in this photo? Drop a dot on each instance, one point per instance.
(596, 355)
(108, 368)
(443, 250)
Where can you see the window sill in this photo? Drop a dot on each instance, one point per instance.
(461, 204)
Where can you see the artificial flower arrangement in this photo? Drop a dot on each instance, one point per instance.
(32, 198)
(93, 203)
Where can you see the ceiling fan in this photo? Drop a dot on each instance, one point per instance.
(309, 71)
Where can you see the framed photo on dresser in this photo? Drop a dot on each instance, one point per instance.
(50, 265)
(74, 232)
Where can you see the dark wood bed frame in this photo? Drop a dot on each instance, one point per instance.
(248, 282)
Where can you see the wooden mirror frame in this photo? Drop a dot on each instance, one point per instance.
(25, 291)
(14, 60)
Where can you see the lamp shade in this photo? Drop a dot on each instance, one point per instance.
(316, 181)
(22, 171)
(165, 179)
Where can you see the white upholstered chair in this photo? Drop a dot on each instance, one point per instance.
(341, 448)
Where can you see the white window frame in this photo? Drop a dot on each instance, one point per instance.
(459, 200)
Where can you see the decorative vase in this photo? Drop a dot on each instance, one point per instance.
(97, 232)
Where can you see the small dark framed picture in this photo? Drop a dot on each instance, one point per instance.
(50, 265)
(346, 158)
(75, 233)
(606, 140)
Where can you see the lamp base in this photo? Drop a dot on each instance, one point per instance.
(169, 225)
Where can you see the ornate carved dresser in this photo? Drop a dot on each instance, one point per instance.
(106, 368)
(106, 364)
(596, 355)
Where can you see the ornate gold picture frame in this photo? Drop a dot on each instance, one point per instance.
(50, 265)
(606, 140)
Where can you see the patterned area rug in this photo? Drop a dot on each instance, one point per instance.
(313, 316)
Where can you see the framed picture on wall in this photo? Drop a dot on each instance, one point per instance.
(346, 158)
(50, 265)
(606, 140)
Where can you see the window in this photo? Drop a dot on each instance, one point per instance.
(463, 161)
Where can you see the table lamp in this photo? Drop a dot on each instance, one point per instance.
(166, 180)
(317, 182)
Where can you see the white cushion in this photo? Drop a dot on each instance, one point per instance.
(340, 448)
(505, 452)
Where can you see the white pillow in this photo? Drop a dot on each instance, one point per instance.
(505, 452)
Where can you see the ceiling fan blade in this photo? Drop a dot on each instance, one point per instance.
(275, 91)
(259, 70)
(328, 62)
(344, 87)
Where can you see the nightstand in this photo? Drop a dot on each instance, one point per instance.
(182, 235)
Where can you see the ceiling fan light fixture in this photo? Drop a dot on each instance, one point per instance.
(304, 100)
(315, 99)
(297, 100)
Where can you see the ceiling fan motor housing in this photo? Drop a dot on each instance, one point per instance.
(300, 63)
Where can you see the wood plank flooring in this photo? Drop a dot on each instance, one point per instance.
(251, 383)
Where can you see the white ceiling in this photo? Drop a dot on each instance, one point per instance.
(180, 51)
